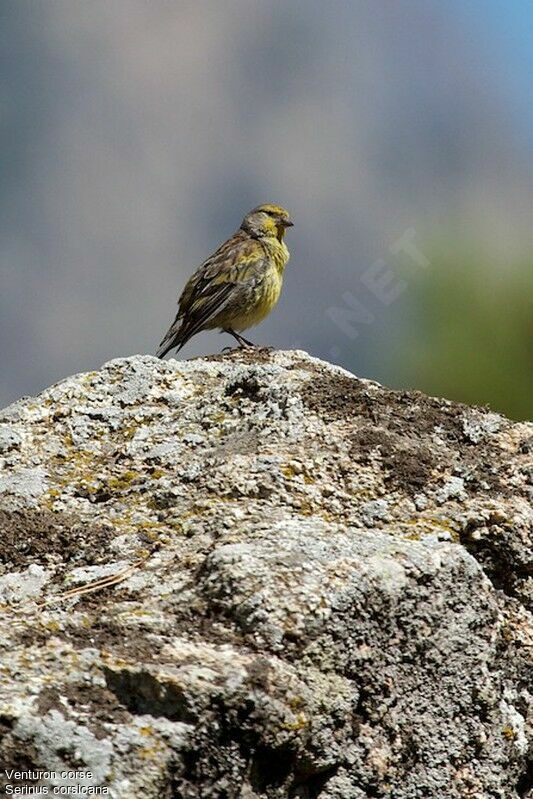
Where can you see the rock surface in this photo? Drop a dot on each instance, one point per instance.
(324, 588)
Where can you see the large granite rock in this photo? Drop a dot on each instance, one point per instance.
(327, 596)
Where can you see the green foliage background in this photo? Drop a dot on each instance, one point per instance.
(472, 330)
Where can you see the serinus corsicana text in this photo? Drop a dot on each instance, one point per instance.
(237, 286)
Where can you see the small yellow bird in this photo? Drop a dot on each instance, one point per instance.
(237, 286)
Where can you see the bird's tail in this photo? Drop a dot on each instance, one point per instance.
(173, 338)
(163, 349)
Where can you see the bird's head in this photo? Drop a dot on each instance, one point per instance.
(267, 221)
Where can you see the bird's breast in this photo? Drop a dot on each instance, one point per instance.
(280, 255)
(260, 302)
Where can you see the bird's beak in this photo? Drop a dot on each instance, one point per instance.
(288, 223)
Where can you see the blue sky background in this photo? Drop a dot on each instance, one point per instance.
(506, 35)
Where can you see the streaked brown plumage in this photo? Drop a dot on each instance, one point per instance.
(237, 286)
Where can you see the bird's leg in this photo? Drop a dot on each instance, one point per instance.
(243, 342)
(246, 342)
(229, 348)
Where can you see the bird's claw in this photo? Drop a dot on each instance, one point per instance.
(256, 347)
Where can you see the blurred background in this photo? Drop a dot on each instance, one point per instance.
(136, 134)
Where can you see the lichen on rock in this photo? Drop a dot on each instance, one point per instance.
(329, 592)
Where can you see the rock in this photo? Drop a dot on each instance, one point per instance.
(321, 589)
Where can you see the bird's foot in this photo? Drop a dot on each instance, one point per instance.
(241, 341)
(244, 343)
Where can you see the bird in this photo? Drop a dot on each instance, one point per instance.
(237, 286)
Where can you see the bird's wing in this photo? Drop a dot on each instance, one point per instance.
(237, 261)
